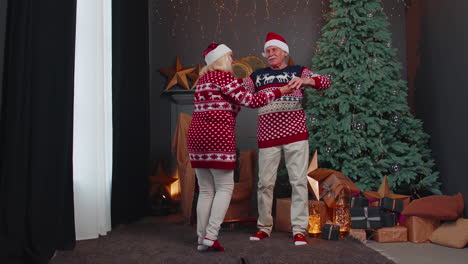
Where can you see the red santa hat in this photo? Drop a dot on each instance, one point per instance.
(274, 39)
(214, 52)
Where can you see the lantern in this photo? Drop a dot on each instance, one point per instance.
(315, 227)
(341, 213)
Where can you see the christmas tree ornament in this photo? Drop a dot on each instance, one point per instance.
(312, 119)
(342, 41)
(359, 125)
(329, 149)
(389, 44)
(395, 118)
(395, 168)
(358, 86)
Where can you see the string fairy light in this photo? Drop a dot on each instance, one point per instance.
(188, 20)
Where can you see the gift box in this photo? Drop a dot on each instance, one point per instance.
(366, 218)
(388, 219)
(390, 204)
(391, 234)
(283, 213)
(359, 201)
(331, 232)
(359, 234)
(384, 191)
(331, 184)
(419, 228)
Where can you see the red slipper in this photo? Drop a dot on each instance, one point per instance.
(212, 244)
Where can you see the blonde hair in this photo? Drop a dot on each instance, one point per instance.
(222, 64)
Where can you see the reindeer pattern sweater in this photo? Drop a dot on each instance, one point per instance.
(282, 121)
(210, 138)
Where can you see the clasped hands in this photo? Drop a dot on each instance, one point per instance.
(294, 84)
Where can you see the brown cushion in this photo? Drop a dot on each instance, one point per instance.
(451, 234)
(441, 207)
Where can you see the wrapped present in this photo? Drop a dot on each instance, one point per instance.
(365, 218)
(384, 191)
(390, 204)
(419, 228)
(359, 201)
(359, 234)
(330, 231)
(388, 219)
(334, 186)
(391, 234)
(331, 184)
(283, 213)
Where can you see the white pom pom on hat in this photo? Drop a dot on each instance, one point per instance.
(214, 52)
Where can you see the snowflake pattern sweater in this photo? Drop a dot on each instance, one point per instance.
(210, 138)
(282, 121)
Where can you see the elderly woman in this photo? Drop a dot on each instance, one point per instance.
(211, 139)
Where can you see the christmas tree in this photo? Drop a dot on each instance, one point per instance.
(362, 125)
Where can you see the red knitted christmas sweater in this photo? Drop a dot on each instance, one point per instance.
(282, 121)
(210, 138)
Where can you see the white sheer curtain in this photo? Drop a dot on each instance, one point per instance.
(92, 141)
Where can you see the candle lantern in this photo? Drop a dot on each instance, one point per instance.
(315, 227)
(341, 212)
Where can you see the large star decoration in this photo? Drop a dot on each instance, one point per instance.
(177, 75)
(195, 76)
(313, 183)
(160, 183)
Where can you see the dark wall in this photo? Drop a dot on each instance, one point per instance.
(441, 92)
(185, 28)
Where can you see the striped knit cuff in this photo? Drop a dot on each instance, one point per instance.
(318, 81)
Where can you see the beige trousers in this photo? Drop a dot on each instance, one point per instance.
(296, 156)
(216, 188)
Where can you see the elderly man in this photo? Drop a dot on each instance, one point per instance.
(281, 127)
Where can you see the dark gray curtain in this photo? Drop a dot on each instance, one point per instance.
(3, 15)
(36, 131)
(130, 96)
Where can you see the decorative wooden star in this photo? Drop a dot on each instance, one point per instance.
(160, 183)
(194, 76)
(177, 75)
(314, 184)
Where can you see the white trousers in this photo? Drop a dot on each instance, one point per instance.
(216, 188)
(296, 156)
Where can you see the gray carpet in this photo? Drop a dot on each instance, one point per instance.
(176, 243)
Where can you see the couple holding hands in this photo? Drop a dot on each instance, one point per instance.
(278, 92)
